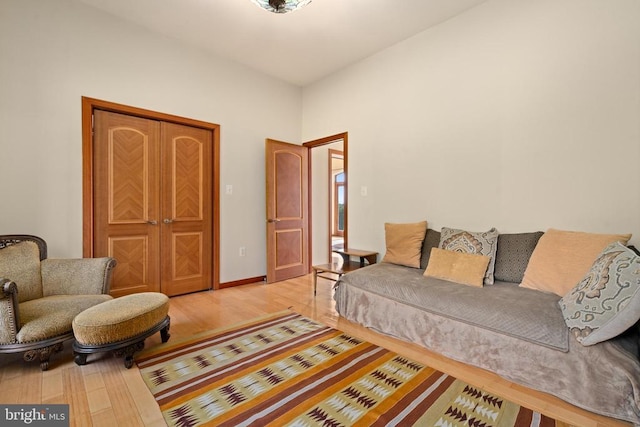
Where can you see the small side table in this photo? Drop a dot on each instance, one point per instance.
(370, 256)
(343, 267)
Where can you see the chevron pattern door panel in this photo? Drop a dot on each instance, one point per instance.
(187, 249)
(187, 164)
(128, 176)
(132, 253)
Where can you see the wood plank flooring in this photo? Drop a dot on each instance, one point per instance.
(104, 393)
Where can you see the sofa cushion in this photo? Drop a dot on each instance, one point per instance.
(52, 316)
(404, 243)
(20, 263)
(471, 242)
(513, 254)
(466, 269)
(521, 313)
(562, 258)
(431, 240)
(606, 302)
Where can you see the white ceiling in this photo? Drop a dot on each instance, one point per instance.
(299, 47)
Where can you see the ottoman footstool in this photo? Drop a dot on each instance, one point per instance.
(120, 325)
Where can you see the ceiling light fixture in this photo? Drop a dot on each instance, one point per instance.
(281, 6)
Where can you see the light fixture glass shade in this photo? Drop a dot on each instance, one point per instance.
(282, 6)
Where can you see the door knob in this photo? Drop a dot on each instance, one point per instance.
(167, 221)
(152, 222)
(273, 220)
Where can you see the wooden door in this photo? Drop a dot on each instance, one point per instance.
(153, 203)
(287, 210)
(186, 238)
(127, 200)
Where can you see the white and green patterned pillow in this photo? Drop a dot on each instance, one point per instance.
(606, 302)
(471, 242)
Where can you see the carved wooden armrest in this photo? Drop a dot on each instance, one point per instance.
(9, 314)
(8, 287)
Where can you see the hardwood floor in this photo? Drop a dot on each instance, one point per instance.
(104, 393)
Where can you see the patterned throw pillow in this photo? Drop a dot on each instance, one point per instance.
(471, 242)
(606, 302)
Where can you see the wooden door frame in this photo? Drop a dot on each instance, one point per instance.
(91, 104)
(344, 136)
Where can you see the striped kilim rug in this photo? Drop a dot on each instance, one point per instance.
(287, 370)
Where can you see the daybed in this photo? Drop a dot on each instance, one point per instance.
(516, 332)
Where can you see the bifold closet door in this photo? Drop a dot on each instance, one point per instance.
(152, 203)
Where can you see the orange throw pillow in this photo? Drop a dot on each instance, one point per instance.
(458, 267)
(404, 243)
(562, 258)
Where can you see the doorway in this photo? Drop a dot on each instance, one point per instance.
(151, 198)
(329, 216)
(337, 201)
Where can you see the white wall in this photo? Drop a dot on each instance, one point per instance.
(522, 115)
(53, 52)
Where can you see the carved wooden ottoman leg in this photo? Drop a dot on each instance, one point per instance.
(164, 332)
(128, 352)
(80, 359)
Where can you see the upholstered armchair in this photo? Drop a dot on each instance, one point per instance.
(39, 297)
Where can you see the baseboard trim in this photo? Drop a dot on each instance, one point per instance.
(243, 282)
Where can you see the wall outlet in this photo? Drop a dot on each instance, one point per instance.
(243, 251)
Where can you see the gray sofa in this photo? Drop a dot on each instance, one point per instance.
(518, 333)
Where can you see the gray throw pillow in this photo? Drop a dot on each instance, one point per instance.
(607, 301)
(512, 256)
(472, 242)
(431, 240)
